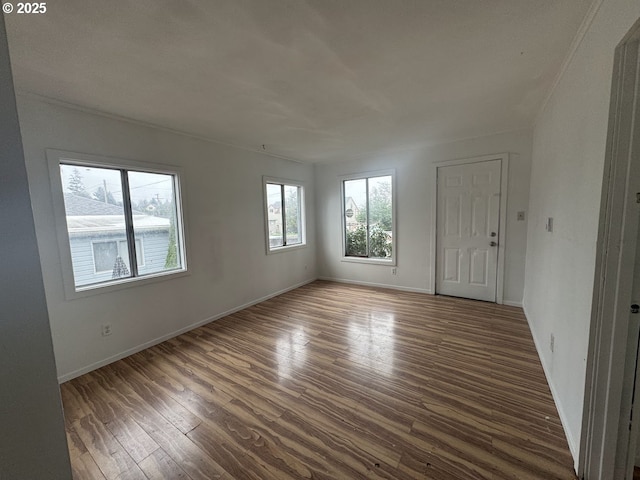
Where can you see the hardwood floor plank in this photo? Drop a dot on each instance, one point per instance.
(225, 451)
(173, 411)
(328, 381)
(190, 458)
(108, 454)
(83, 466)
(134, 439)
(160, 466)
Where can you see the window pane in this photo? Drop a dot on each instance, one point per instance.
(155, 222)
(292, 214)
(380, 217)
(104, 256)
(122, 245)
(274, 212)
(95, 223)
(355, 221)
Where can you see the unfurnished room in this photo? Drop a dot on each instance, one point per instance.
(287, 239)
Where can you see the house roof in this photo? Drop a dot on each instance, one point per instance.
(86, 216)
(77, 205)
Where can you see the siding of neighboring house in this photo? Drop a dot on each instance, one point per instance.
(154, 253)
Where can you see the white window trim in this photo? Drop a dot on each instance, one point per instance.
(394, 244)
(303, 213)
(54, 159)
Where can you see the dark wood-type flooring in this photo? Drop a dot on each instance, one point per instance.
(328, 381)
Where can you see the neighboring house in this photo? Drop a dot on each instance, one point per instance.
(351, 211)
(97, 239)
(275, 219)
(275, 223)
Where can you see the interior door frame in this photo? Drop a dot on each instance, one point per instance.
(605, 439)
(502, 230)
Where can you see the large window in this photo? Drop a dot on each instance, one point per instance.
(368, 219)
(123, 222)
(284, 213)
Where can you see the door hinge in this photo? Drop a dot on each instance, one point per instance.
(638, 197)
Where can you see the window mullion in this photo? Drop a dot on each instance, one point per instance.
(284, 217)
(299, 219)
(367, 203)
(128, 216)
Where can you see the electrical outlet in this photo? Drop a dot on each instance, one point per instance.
(106, 329)
(552, 342)
(521, 216)
(394, 271)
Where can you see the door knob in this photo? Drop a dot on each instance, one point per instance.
(493, 234)
(493, 244)
(635, 308)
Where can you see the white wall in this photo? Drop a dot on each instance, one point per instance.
(226, 242)
(32, 443)
(566, 178)
(414, 212)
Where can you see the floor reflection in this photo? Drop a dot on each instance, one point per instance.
(372, 341)
(291, 351)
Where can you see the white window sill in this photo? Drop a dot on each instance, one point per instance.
(389, 262)
(106, 287)
(286, 248)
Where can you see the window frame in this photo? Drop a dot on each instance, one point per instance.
(392, 261)
(57, 157)
(284, 182)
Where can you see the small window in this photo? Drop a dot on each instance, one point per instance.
(123, 223)
(284, 211)
(368, 218)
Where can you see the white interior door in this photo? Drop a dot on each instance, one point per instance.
(468, 217)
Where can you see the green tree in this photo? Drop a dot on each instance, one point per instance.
(379, 243)
(357, 242)
(380, 206)
(76, 185)
(106, 197)
(380, 212)
(291, 214)
(172, 251)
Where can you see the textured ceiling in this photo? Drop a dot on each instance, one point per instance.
(315, 81)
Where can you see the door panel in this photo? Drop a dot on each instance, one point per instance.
(452, 265)
(479, 268)
(479, 216)
(468, 204)
(453, 215)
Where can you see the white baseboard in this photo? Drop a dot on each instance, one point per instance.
(556, 399)
(380, 285)
(511, 303)
(119, 356)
